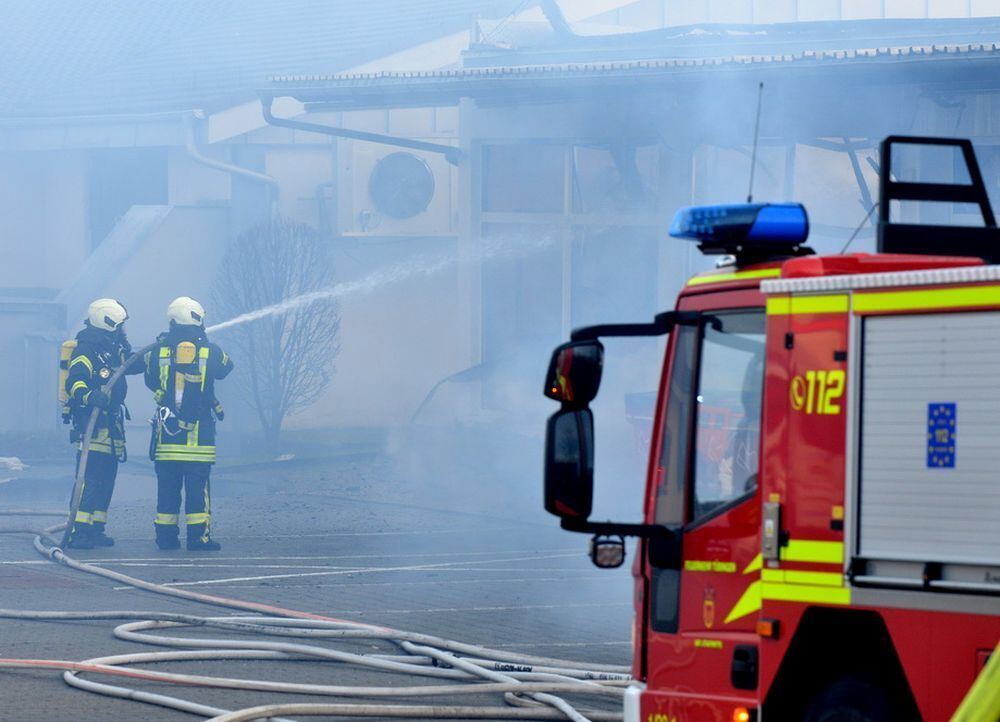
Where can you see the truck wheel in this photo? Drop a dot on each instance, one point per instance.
(851, 699)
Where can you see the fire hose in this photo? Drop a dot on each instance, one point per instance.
(530, 684)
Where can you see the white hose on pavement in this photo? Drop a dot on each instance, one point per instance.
(530, 684)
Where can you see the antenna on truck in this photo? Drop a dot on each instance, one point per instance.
(756, 138)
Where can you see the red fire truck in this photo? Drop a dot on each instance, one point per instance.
(821, 535)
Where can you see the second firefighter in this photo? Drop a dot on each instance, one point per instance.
(99, 349)
(182, 371)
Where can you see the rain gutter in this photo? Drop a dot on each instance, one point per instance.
(452, 154)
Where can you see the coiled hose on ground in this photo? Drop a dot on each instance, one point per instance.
(530, 685)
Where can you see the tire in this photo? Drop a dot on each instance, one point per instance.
(852, 699)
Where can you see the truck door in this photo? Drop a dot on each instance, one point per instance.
(701, 617)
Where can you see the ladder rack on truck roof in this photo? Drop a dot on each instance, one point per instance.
(922, 238)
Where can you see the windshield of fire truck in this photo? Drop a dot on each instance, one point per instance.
(722, 375)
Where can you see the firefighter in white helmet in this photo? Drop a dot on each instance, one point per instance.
(101, 347)
(182, 371)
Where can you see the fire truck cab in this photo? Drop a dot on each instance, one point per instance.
(821, 536)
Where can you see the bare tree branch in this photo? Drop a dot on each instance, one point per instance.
(287, 359)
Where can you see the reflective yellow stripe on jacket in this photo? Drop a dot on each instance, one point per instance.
(102, 443)
(84, 361)
(181, 452)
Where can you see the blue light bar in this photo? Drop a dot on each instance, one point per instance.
(751, 229)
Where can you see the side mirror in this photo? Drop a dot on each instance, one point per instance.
(569, 464)
(575, 372)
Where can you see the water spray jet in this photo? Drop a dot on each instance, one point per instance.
(385, 277)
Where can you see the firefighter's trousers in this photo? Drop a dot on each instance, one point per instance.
(98, 486)
(193, 478)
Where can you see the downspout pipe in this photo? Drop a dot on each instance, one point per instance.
(452, 154)
(195, 152)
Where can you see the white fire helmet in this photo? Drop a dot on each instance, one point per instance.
(186, 311)
(106, 314)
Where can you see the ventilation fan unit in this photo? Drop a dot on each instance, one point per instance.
(398, 193)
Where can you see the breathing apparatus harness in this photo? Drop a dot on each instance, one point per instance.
(183, 368)
(104, 370)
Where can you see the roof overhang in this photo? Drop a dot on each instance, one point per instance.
(972, 66)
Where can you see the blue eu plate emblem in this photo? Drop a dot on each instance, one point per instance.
(942, 434)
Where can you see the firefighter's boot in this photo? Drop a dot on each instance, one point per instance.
(167, 537)
(82, 537)
(198, 539)
(99, 538)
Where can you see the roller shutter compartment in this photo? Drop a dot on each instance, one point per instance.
(930, 445)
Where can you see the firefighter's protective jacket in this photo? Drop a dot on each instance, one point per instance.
(97, 355)
(181, 372)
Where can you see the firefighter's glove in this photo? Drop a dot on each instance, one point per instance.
(99, 399)
(220, 413)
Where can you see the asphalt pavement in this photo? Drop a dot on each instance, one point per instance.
(352, 538)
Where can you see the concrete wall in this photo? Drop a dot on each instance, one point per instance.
(396, 341)
(191, 183)
(301, 169)
(30, 335)
(43, 204)
(180, 258)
